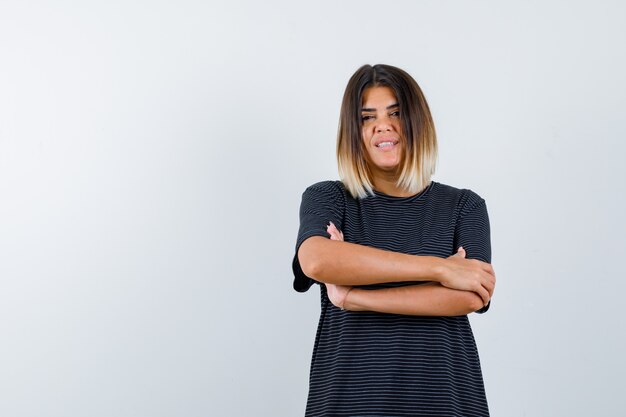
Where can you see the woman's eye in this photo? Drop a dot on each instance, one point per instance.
(395, 114)
(366, 117)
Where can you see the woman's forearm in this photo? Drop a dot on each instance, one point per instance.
(345, 263)
(431, 299)
(336, 262)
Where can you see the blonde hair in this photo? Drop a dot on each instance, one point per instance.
(419, 158)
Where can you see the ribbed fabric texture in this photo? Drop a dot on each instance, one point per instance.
(375, 364)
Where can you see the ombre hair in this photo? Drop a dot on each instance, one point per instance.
(419, 157)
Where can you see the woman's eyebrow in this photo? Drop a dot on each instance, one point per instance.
(391, 106)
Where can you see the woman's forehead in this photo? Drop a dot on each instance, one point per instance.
(378, 96)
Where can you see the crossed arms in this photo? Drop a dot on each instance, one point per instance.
(456, 285)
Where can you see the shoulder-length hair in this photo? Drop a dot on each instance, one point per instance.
(418, 131)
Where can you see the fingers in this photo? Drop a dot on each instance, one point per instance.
(490, 284)
(489, 287)
(335, 234)
(460, 252)
(332, 231)
(470, 275)
(488, 268)
(491, 279)
(484, 294)
(487, 281)
(483, 285)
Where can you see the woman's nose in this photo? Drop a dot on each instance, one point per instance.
(383, 126)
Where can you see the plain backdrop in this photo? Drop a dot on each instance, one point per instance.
(152, 161)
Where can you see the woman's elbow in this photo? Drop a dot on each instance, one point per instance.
(309, 258)
(310, 266)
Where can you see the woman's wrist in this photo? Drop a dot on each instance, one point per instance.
(344, 304)
(431, 268)
(351, 301)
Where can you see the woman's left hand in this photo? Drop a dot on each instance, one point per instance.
(337, 293)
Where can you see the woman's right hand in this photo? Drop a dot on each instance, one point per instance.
(464, 274)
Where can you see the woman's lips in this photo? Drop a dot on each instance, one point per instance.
(387, 147)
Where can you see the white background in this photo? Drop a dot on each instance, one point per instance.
(152, 160)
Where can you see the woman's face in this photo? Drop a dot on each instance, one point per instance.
(381, 131)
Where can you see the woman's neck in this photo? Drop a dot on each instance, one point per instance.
(388, 186)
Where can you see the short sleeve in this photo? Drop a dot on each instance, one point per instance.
(472, 231)
(321, 203)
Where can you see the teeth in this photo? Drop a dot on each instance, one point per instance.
(381, 144)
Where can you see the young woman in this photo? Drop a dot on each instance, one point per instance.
(401, 260)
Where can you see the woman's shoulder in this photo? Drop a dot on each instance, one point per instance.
(327, 184)
(329, 189)
(333, 186)
(464, 198)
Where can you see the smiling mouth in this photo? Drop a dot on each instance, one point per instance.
(386, 144)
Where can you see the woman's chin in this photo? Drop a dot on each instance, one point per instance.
(387, 166)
